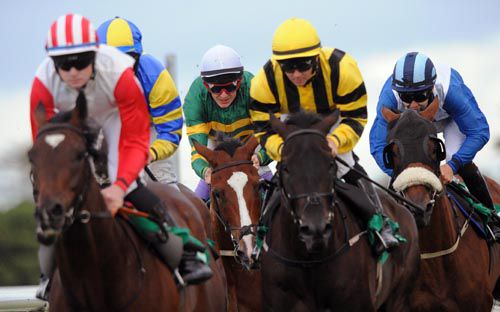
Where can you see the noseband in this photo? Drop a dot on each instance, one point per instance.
(312, 198)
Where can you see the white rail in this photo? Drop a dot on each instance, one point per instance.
(20, 299)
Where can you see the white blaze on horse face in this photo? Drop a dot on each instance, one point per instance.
(54, 140)
(237, 182)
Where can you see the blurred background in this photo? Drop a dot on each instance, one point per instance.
(463, 34)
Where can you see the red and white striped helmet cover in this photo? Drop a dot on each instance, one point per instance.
(69, 34)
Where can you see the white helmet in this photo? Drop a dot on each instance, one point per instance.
(220, 60)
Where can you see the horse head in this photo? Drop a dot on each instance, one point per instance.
(60, 170)
(307, 174)
(414, 153)
(235, 199)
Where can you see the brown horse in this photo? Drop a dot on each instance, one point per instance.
(319, 258)
(102, 264)
(459, 270)
(235, 210)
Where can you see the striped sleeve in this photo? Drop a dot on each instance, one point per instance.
(197, 127)
(134, 132)
(164, 106)
(263, 103)
(351, 99)
(40, 95)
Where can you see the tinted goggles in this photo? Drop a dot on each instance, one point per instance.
(78, 61)
(418, 97)
(292, 66)
(228, 87)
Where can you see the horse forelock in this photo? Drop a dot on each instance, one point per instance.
(411, 125)
(228, 145)
(303, 120)
(417, 176)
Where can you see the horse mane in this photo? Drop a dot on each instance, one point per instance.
(303, 119)
(227, 144)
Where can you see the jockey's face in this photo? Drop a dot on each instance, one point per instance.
(300, 70)
(418, 106)
(224, 98)
(416, 100)
(75, 78)
(75, 69)
(299, 78)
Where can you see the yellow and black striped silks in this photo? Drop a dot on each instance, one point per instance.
(337, 83)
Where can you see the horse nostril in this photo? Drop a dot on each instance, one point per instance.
(328, 229)
(429, 206)
(57, 210)
(305, 230)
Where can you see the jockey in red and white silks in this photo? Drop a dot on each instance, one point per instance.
(115, 103)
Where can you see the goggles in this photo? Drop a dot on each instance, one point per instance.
(78, 61)
(418, 97)
(217, 88)
(291, 66)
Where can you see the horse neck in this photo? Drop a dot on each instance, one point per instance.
(441, 232)
(94, 254)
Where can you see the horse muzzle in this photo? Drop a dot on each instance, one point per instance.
(315, 238)
(50, 221)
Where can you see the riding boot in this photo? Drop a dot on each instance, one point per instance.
(477, 187)
(192, 266)
(386, 239)
(46, 258)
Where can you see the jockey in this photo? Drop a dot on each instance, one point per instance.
(78, 66)
(302, 75)
(163, 100)
(414, 84)
(218, 102)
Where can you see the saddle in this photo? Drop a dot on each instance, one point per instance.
(354, 195)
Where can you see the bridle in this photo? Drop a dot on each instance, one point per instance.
(242, 231)
(413, 154)
(312, 198)
(75, 211)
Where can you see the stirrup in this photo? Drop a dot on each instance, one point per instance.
(493, 237)
(381, 240)
(178, 278)
(43, 290)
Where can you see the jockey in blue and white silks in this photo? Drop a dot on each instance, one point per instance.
(161, 95)
(464, 126)
(414, 84)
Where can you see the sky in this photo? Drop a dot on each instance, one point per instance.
(463, 34)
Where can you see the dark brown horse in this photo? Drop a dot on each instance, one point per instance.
(235, 209)
(459, 270)
(319, 258)
(102, 263)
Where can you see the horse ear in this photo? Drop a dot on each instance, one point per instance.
(204, 151)
(79, 113)
(389, 115)
(430, 112)
(278, 126)
(248, 148)
(327, 123)
(40, 115)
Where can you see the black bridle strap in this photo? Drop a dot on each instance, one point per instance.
(390, 192)
(302, 132)
(232, 164)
